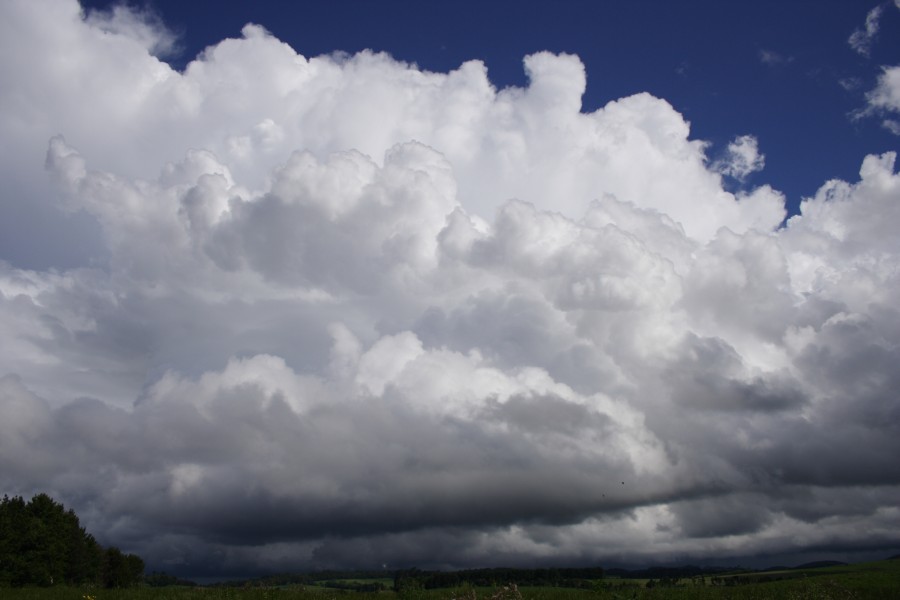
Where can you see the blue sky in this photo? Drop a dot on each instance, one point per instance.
(290, 286)
(777, 70)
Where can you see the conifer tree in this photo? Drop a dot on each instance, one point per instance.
(41, 543)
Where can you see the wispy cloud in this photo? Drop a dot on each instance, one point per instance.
(772, 58)
(861, 39)
(850, 83)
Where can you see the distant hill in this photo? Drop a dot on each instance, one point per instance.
(418, 579)
(819, 564)
(587, 578)
(671, 572)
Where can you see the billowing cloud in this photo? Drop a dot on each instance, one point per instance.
(345, 309)
(142, 26)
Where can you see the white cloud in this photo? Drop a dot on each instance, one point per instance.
(500, 143)
(742, 158)
(772, 58)
(137, 25)
(861, 40)
(886, 95)
(395, 308)
(850, 83)
(884, 99)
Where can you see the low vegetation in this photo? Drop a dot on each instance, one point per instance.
(869, 581)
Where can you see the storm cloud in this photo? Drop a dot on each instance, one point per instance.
(280, 312)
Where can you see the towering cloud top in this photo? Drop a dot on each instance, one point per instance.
(401, 310)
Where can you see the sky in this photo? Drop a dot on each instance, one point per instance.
(377, 285)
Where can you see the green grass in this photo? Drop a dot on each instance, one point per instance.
(867, 581)
(388, 581)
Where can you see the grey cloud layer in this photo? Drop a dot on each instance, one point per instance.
(349, 312)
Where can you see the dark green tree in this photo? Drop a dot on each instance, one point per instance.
(41, 543)
(14, 522)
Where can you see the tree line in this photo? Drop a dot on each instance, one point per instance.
(42, 543)
(569, 578)
(416, 579)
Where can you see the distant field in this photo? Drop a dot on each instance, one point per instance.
(867, 581)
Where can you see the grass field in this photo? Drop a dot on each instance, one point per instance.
(867, 581)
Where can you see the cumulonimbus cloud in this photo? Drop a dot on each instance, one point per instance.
(348, 309)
